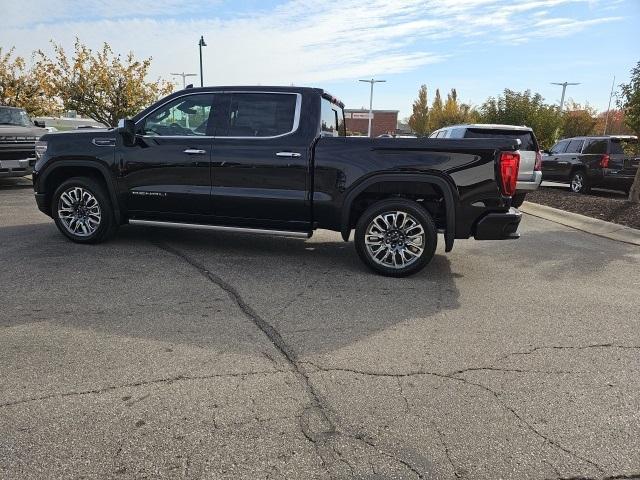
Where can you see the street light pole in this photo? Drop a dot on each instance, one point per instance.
(606, 121)
(184, 76)
(372, 81)
(201, 44)
(564, 89)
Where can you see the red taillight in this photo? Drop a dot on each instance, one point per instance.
(509, 164)
(538, 166)
(604, 161)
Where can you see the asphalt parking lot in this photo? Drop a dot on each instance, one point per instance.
(213, 355)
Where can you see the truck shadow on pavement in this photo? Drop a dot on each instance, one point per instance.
(316, 293)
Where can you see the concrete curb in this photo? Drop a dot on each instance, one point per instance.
(609, 230)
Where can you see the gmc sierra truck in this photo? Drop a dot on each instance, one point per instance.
(276, 160)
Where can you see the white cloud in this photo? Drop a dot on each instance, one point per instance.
(300, 41)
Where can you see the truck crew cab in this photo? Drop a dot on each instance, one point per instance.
(276, 160)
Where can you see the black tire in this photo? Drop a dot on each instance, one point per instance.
(579, 183)
(97, 195)
(406, 255)
(518, 200)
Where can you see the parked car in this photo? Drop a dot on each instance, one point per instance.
(18, 135)
(530, 174)
(255, 159)
(585, 162)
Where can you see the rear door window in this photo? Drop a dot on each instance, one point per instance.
(559, 147)
(596, 147)
(261, 115)
(527, 140)
(575, 146)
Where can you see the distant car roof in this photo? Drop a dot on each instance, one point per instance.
(11, 108)
(489, 126)
(604, 137)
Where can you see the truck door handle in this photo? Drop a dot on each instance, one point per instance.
(193, 151)
(288, 154)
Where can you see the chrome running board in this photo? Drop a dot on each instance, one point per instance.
(220, 228)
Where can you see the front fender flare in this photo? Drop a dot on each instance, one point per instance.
(85, 163)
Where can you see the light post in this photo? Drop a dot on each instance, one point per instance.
(184, 76)
(606, 120)
(201, 44)
(372, 81)
(564, 89)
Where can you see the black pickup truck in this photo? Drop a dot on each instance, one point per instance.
(276, 160)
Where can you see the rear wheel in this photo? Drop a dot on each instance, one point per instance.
(518, 200)
(82, 210)
(396, 237)
(579, 182)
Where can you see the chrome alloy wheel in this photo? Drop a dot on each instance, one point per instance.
(395, 239)
(79, 211)
(576, 182)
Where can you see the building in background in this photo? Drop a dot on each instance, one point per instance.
(384, 121)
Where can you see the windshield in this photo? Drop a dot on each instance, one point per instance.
(527, 140)
(625, 146)
(14, 116)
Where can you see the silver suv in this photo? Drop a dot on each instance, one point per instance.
(530, 172)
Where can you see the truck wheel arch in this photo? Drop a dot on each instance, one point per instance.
(96, 169)
(437, 181)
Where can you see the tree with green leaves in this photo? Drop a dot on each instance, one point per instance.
(629, 101)
(100, 85)
(524, 108)
(419, 120)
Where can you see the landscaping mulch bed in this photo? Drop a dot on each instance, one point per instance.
(602, 204)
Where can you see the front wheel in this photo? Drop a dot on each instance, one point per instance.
(579, 182)
(396, 237)
(82, 211)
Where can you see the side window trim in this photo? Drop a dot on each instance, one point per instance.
(294, 129)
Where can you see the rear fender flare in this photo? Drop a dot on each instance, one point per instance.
(444, 186)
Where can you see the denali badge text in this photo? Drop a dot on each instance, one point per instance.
(150, 194)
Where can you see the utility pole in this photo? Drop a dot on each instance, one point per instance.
(201, 44)
(184, 76)
(606, 120)
(564, 89)
(372, 81)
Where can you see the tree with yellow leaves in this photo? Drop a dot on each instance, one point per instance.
(22, 87)
(100, 85)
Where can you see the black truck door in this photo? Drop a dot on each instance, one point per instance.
(260, 162)
(167, 171)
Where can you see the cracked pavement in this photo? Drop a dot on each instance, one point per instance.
(213, 355)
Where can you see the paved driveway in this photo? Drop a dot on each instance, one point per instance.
(209, 355)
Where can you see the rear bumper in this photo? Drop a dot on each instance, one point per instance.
(499, 226)
(531, 184)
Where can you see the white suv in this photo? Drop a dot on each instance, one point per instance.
(530, 172)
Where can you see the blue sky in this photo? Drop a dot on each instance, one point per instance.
(479, 47)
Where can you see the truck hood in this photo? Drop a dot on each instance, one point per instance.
(79, 135)
(12, 131)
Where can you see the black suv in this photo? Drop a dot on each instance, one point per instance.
(585, 162)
